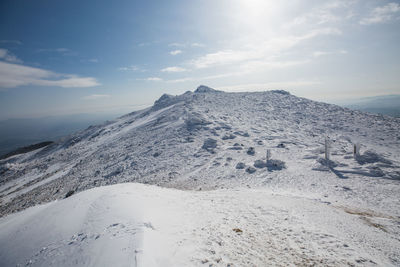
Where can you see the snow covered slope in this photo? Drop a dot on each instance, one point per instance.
(196, 140)
(139, 225)
(212, 140)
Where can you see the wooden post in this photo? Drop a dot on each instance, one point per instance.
(268, 155)
(358, 145)
(327, 152)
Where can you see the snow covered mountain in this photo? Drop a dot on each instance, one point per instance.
(212, 140)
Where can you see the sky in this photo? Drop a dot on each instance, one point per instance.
(67, 57)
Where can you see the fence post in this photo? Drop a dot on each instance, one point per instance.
(327, 151)
(357, 149)
(268, 155)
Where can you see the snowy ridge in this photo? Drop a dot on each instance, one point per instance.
(212, 140)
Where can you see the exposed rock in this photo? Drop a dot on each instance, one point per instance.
(70, 193)
(235, 148)
(209, 144)
(241, 133)
(228, 136)
(250, 169)
(251, 151)
(282, 92)
(195, 121)
(240, 165)
(205, 89)
(260, 164)
(275, 165)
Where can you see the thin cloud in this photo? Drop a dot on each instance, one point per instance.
(186, 45)
(325, 53)
(7, 56)
(95, 97)
(143, 44)
(62, 50)
(327, 13)
(209, 77)
(11, 42)
(155, 79)
(253, 66)
(259, 52)
(267, 86)
(175, 52)
(177, 44)
(130, 68)
(181, 80)
(14, 75)
(173, 69)
(248, 67)
(382, 14)
(197, 45)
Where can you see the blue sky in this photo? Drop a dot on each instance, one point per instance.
(65, 57)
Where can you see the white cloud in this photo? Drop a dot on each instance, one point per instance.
(14, 75)
(324, 53)
(252, 66)
(223, 57)
(186, 45)
(156, 79)
(246, 68)
(173, 69)
(7, 56)
(197, 45)
(330, 12)
(260, 52)
(177, 44)
(94, 97)
(286, 85)
(382, 14)
(175, 52)
(130, 68)
(93, 60)
(320, 53)
(181, 80)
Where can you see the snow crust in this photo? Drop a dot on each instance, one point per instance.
(213, 146)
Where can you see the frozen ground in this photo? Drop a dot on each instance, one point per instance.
(299, 210)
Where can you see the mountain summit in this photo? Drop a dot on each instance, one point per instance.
(205, 89)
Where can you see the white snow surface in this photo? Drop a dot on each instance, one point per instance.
(204, 154)
(143, 225)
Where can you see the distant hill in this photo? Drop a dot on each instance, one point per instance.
(16, 133)
(385, 105)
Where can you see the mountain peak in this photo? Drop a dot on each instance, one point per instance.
(282, 92)
(205, 89)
